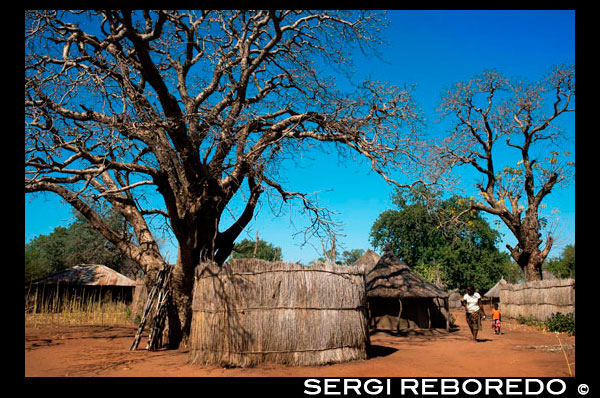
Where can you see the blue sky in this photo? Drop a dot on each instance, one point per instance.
(433, 50)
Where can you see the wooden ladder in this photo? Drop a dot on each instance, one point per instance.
(156, 305)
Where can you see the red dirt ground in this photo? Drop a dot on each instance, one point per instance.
(521, 351)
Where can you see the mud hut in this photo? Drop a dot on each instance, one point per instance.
(253, 311)
(400, 300)
(368, 260)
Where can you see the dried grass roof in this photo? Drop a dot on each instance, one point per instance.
(495, 290)
(87, 275)
(392, 278)
(368, 260)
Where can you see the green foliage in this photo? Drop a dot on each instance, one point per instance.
(45, 254)
(452, 321)
(427, 232)
(561, 323)
(529, 321)
(65, 247)
(563, 266)
(349, 257)
(512, 272)
(265, 251)
(427, 271)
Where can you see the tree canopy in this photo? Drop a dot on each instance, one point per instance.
(78, 243)
(170, 116)
(247, 248)
(421, 233)
(563, 266)
(490, 114)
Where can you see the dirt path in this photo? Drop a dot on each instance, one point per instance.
(103, 351)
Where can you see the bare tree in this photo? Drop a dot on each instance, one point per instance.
(492, 114)
(198, 107)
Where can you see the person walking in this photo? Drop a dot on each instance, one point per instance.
(474, 311)
(496, 319)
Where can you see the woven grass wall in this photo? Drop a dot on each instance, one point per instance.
(538, 299)
(251, 311)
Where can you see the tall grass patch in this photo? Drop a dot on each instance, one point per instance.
(64, 307)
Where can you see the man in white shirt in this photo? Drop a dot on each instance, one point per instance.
(474, 310)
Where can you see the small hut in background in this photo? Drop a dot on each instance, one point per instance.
(251, 311)
(94, 281)
(368, 260)
(493, 295)
(454, 299)
(401, 300)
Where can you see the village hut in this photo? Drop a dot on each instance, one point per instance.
(86, 281)
(454, 299)
(400, 300)
(252, 311)
(368, 260)
(493, 295)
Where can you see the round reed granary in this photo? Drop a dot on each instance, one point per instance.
(250, 311)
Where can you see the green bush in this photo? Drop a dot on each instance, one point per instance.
(561, 323)
(529, 321)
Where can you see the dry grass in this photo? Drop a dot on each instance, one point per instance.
(70, 309)
(253, 311)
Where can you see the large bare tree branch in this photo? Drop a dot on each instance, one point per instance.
(133, 109)
(521, 116)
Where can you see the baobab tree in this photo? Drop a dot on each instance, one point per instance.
(198, 107)
(491, 114)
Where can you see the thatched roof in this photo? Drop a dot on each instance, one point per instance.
(87, 275)
(495, 291)
(393, 278)
(368, 260)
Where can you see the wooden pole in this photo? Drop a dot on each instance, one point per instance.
(399, 315)
(256, 245)
(447, 308)
(429, 315)
(333, 255)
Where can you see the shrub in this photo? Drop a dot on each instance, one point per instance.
(529, 321)
(561, 323)
(452, 321)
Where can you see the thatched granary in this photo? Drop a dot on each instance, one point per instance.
(494, 293)
(400, 300)
(253, 311)
(368, 260)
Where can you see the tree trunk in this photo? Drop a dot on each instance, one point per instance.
(529, 260)
(180, 317)
(190, 254)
